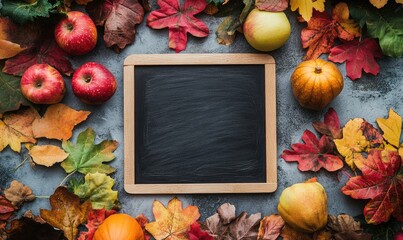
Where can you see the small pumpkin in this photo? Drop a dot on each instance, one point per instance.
(315, 83)
(304, 206)
(119, 227)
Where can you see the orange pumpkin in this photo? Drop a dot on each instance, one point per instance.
(119, 227)
(315, 83)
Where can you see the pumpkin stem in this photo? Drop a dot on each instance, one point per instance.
(318, 69)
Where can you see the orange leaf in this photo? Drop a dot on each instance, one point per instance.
(16, 128)
(58, 122)
(47, 155)
(8, 48)
(270, 227)
(173, 222)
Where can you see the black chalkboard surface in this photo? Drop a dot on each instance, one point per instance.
(199, 123)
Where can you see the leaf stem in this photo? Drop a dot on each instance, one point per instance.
(22, 163)
(42, 196)
(67, 177)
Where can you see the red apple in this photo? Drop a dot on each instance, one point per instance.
(93, 83)
(42, 84)
(76, 34)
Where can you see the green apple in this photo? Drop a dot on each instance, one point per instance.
(266, 31)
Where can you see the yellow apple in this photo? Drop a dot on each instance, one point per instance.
(266, 31)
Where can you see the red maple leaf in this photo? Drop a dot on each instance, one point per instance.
(95, 218)
(6, 209)
(382, 182)
(321, 32)
(143, 220)
(195, 233)
(313, 154)
(179, 21)
(43, 50)
(360, 55)
(330, 126)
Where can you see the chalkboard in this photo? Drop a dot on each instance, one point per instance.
(200, 123)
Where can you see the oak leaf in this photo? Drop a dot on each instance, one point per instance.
(359, 55)
(353, 142)
(391, 127)
(87, 157)
(226, 225)
(6, 209)
(58, 122)
(98, 188)
(11, 97)
(382, 182)
(94, 220)
(195, 233)
(330, 126)
(67, 212)
(16, 128)
(28, 229)
(321, 30)
(305, 7)
(8, 47)
(172, 222)
(18, 193)
(345, 227)
(179, 21)
(270, 227)
(313, 154)
(272, 5)
(47, 155)
(119, 17)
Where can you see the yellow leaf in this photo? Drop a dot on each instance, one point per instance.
(378, 3)
(58, 122)
(391, 127)
(173, 222)
(15, 128)
(47, 155)
(305, 7)
(341, 14)
(353, 142)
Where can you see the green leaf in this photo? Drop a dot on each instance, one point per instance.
(86, 157)
(98, 188)
(11, 97)
(21, 11)
(385, 24)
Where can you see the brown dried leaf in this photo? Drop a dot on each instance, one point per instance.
(226, 213)
(29, 214)
(67, 213)
(345, 227)
(18, 193)
(47, 155)
(270, 227)
(287, 233)
(58, 122)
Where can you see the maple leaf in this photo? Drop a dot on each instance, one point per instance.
(272, 5)
(47, 155)
(382, 182)
(98, 188)
(23, 11)
(179, 21)
(8, 47)
(18, 193)
(16, 128)
(143, 220)
(313, 154)
(321, 30)
(58, 122)
(360, 56)
(86, 157)
(305, 7)
(270, 227)
(6, 209)
(11, 97)
(119, 18)
(225, 225)
(391, 127)
(28, 229)
(353, 142)
(330, 126)
(345, 227)
(42, 49)
(67, 212)
(173, 222)
(195, 233)
(226, 31)
(94, 220)
(385, 24)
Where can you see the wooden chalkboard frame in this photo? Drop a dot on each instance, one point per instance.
(132, 61)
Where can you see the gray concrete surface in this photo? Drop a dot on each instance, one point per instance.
(370, 97)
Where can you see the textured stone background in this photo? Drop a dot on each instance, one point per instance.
(370, 97)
